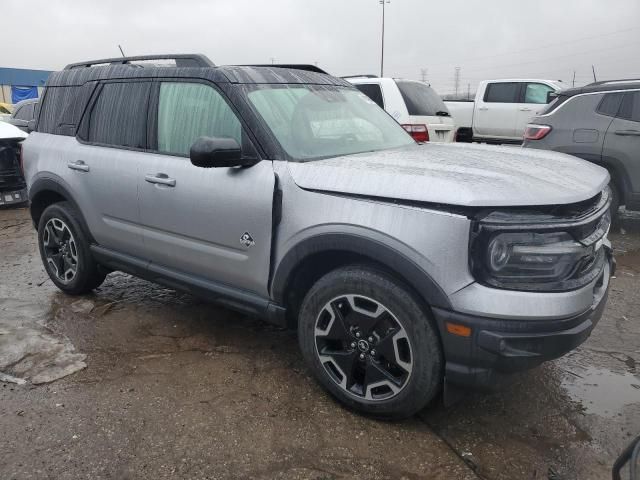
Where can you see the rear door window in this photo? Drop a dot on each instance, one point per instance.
(630, 107)
(421, 99)
(373, 91)
(610, 104)
(187, 111)
(537, 93)
(507, 92)
(119, 115)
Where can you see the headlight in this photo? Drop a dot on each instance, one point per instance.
(536, 259)
(533, 257)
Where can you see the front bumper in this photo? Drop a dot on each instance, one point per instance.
(12, 197)
(498, 347)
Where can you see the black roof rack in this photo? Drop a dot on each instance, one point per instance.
(360, 76)
(622, 80)
(294, 66)
(182, 60)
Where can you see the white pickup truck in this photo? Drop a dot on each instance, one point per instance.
(501, 109)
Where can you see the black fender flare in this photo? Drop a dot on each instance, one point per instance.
(45, 184)
(381, 253)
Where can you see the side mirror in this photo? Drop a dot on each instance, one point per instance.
(210, 152)
(31, 126)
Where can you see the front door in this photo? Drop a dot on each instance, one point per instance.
(534, 97)
(210, 223)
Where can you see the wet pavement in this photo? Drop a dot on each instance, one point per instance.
(157, 384)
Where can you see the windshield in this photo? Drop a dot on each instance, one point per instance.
(320, 121)
(421, 99)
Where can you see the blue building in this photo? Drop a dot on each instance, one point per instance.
(19, 84)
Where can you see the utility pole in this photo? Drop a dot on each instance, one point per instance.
(382, 2)
(121, 51)
(456, 80)
(573, 83)
(423, 74)
(468, 91)
(593, 69)
(273, 60)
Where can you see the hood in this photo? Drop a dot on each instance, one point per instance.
(11, 132)
(457, 174)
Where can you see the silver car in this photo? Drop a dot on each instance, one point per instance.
(288, 194)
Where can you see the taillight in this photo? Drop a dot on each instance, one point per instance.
(418, 132)
(536, 132)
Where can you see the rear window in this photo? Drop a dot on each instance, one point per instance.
(119, 115)
(373, 91)
(502, 92)
(421, 99)
(610, 104)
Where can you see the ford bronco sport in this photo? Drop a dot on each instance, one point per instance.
(288, 194)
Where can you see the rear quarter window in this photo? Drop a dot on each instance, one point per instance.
(62, 107)
(421, 99)
(610, 104)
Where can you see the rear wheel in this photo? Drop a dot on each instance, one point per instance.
(64, 249)
(370, 343)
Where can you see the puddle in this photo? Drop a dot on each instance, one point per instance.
(28, 350)
(601, 391)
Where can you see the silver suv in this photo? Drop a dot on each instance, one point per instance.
(288, 194)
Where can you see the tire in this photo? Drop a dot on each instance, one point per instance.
(395, 381)
(64, 248)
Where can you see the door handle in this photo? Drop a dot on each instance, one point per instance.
(483, 108)
(525, 109)
(78, 165)
(625, 133)
(160, 179)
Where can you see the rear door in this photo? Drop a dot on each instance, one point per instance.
(495, 113)
(209, 223)
(622, 141)
(533, 98)
(103, 167)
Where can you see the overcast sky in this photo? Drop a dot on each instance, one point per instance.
(486, 39)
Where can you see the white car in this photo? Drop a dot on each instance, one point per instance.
(12, 185)
(415, 105)
(501, 110)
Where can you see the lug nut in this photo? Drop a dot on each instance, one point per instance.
(373, 353)
(358, 334)
(371, 339)
(353, 344)
(362, 356)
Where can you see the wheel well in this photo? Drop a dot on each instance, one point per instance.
(618, 182)
(315, 266)
(41, 201)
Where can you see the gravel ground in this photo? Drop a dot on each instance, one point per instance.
(156, 384)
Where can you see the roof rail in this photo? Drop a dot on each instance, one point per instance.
(182, 60)
(360, 76)
(622, 80)
(294, 66)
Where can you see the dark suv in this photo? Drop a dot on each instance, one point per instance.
(599, 123)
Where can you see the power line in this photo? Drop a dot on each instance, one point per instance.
(537, 48)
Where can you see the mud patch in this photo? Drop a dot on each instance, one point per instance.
(601, 391)
(29, 351)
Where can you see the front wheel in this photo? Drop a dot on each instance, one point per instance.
(370, 343)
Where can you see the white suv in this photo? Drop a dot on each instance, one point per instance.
(415, 105)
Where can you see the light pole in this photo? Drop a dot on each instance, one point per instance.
(382, 2)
